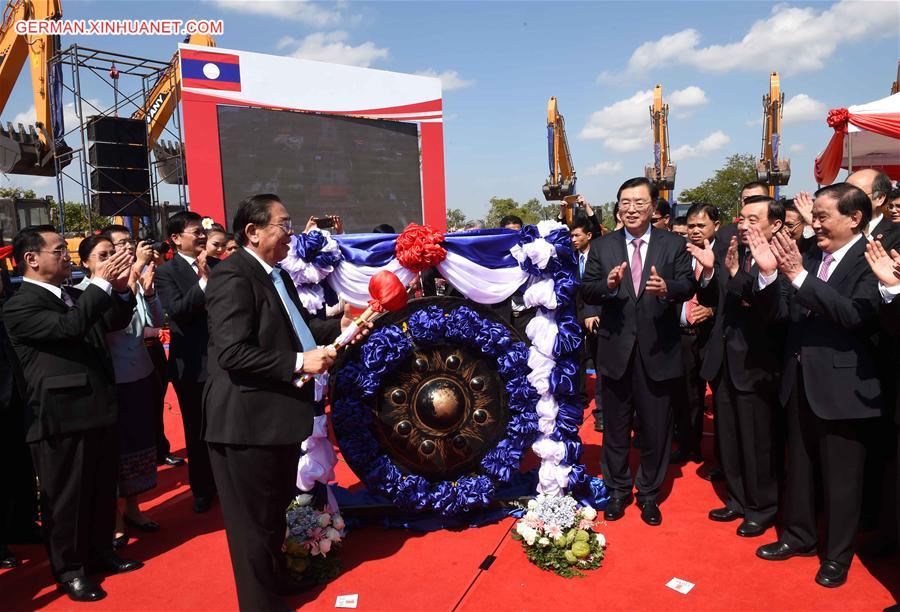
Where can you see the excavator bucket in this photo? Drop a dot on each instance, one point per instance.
(558, 192)
(171, 166)
(22, 152)
(778, 176)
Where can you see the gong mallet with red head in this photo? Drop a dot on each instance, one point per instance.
(388, 295)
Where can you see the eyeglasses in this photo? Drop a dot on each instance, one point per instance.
(287, 226)
(198, 233)
(124, 243)
(637, 205)
(60, 252)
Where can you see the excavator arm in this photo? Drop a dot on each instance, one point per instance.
(561, 183)
(662, 172)
(159, 106)
(32, 150)
(770, 169)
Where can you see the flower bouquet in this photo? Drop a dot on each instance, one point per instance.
(558, 535)
(313, 537)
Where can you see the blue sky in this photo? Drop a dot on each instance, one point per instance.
(501, 61)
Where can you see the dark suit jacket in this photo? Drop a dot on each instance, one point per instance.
(887, 232)
(832, 328)
(185, 303)
(69, 377)
(628, 318)
(585, 310)
(753, 344)
(890, 322)
(249, 398)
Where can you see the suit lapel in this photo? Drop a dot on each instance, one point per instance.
(268, 285)
(621, 242)
(847, 263)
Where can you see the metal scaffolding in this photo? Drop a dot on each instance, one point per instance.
(129, 78)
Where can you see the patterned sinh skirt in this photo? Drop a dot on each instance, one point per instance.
(137, 435)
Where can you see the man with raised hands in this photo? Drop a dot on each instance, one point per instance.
(640, 275)
(829, 382)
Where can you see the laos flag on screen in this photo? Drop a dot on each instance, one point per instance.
(205, 69)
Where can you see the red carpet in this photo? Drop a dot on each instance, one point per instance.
(187, 564)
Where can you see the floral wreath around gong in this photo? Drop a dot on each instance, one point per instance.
(360, 379)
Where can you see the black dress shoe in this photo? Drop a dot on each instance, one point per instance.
(117, 565)
(82, 589)
(202, 504)
(724, 515)
(831, 574)
(714, 475)
(751, 529)
(615, 507)
(148, 527)
(7, 559)
(171, 459)
(779, 551)
(650, 513)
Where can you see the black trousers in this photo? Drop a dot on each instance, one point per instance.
(256, 484)
(78, 474)
(838, 449)
(190, 400)
(690, 397)
(18, 493)
(158, 356)
(747, 447)
(651, 401)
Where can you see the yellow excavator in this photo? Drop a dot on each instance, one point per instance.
(159, 106)
(771, 169)
(561, 184)
(32, 150)
(662, 172)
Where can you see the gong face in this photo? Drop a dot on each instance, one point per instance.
(441, 411)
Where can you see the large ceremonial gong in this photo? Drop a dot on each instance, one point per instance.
(442, 408)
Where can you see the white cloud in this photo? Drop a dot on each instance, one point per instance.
(711, 143)
(791, 40)
(303, 11)
(450, 79)
(625, 125)
(70, 119)
(332, 47)
(803, 108)
(604, 167)
(796, 148)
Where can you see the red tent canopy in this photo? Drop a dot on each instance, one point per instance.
(865, 136)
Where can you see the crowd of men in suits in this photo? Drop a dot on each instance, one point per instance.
(788, 315)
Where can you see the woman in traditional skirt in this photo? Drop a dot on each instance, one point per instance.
(136, 385)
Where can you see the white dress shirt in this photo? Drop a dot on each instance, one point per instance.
(298, 366)
(102, 283)
(837, 256)
(192, 262)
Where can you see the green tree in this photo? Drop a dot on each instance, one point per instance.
(77, 219)
(605, 211)
(456, 219)
(724, 188)
(16, 192)
(530, 212)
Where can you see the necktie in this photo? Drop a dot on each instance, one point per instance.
(748, 261)
(195, 267)
(691, 303)
(581, 260)
(65, 297)
(637, 266)
(827, 258)
(300, 328)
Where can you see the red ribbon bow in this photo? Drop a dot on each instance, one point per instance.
(418, 248)
(838, 118)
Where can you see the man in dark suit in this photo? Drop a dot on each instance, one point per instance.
(742, 364)
(70, 402)
(696, 321)
(829, 383)
(582, 236)
(639, 275)
(877, 186)
(255, 416)
(181, 283)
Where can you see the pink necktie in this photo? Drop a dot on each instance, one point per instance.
(637, 266)
(826, 264)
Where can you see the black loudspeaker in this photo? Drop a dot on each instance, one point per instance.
(111, 155)
(129, 180)
(125, 204)
(120, 130)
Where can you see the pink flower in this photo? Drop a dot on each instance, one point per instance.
(586, 524)
(554, 531)
(325, 546)
(316, 533)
